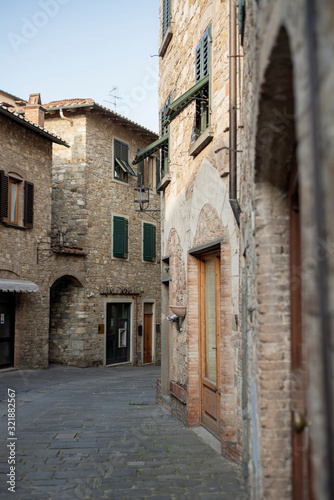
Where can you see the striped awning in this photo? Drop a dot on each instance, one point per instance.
(7, 285)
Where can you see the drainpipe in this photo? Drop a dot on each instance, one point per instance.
(64, 117)
(320, 231)
(233, 111)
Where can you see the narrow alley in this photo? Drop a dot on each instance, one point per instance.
(98, 433)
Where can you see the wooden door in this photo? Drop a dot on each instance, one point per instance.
(301, 470)
(148, 323)
(209, 280)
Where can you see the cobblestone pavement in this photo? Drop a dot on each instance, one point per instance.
(98, 433)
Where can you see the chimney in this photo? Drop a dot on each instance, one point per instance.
(34, 112)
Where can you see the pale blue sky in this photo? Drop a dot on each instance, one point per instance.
(83, 48)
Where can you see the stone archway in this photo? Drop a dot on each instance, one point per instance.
(280, 377)
(67, 343)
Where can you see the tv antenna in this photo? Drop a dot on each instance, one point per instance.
(114, 96)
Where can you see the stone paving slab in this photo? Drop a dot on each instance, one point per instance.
(97, 433)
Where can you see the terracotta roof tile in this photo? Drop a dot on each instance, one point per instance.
(68, 103)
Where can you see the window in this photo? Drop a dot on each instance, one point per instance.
(202, 69)
(149, 172)
(120, 237)
(12, 210)
(149, 242)
(122, 168)
(200, 93)
(161, 167)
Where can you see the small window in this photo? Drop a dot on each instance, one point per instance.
(13, 206)
(12, 209)
(120, 237)
(149, 242)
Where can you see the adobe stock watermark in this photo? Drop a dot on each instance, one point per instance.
(31, 27)
(141, 92)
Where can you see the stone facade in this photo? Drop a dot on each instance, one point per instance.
(275, 345)
(86, 197)
(197, 215)
(25, 156)
(69, 250)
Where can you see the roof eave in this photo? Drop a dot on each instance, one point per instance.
(108, 112)
(34, 128)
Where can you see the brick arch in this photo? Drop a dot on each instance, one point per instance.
(209, 226)
(275, 158)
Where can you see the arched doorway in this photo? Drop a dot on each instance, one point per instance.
(281, 354)
(67, 322)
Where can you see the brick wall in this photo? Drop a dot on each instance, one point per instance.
(266, 145)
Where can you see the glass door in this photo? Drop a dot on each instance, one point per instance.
(7, 328)
(118, 333)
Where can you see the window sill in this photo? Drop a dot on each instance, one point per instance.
(119, 181)
(164, 183)
(166, 41)
(204, 139)
(15, 226)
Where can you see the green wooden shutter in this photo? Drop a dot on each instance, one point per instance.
(3, 195)
(202, 57)
(28, 204)
(154, 242)
(118, 149)
(119, 240)
(165, 16)
(157, 172)
(125, 152)
(126, 238)
(149, 243)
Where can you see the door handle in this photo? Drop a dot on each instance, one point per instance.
(299, 422)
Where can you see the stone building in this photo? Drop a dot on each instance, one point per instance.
(201, 344)
(247, 173)
(25, 218)
(287, 275)
(105, 304)
(78, 236)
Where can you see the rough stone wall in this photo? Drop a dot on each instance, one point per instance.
(68, 334)
(265, 236)
(196, 205)
(85, 188)
(28, 156)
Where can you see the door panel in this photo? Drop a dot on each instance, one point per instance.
(301, 471)
(118, 333)
(148, 321)
(210, 327)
